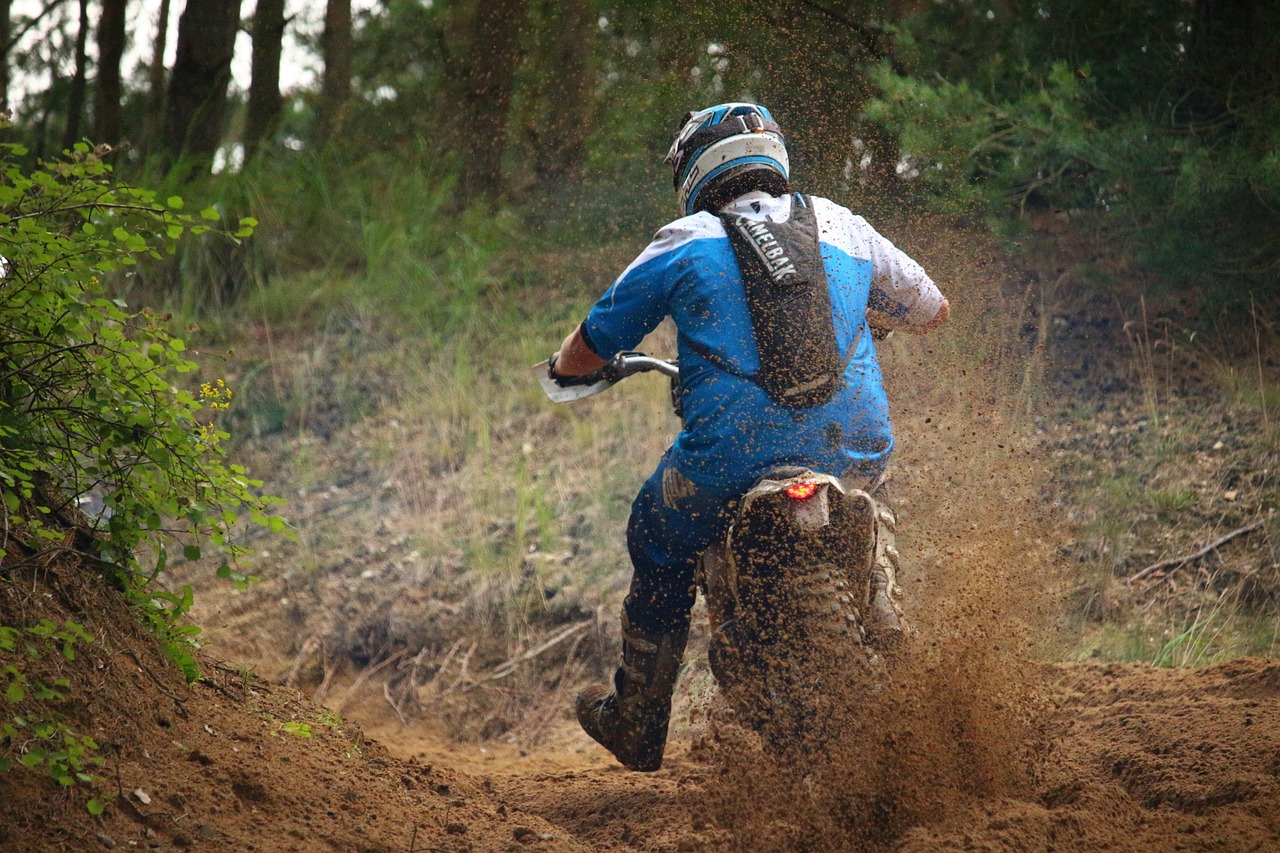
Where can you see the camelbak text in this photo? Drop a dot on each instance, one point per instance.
(767, 247)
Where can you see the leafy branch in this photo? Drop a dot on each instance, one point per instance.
(94, 396)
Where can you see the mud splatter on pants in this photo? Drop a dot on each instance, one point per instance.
(672, 522)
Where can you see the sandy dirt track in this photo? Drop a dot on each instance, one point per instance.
(1134, 759)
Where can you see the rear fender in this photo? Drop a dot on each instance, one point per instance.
(809, 514)
(804, 536)
(718, 574)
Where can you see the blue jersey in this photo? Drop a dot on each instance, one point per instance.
(733, 433)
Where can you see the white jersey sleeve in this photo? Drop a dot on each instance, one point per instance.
(902, 294)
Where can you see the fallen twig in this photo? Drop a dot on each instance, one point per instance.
(462, 671)
(1176, 562)
(330, 669)
(430, 686)
(502, 670)
(365, 674)
(309, 648)
(395, 705)
(532, 731)
(406, 686)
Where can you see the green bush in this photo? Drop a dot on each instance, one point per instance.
(91, 396)
(972, 150)
(48, 740)
(98, 400)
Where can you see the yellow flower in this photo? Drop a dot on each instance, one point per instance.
(216, 394)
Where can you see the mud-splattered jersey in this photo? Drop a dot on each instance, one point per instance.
(732, 431)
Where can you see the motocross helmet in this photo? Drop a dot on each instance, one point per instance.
(724, 151)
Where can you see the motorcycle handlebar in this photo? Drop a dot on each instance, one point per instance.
(626, 364)
(566, 390)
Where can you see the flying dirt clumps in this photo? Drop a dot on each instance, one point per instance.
(1143, 759)
(951, 718)
(941, 724)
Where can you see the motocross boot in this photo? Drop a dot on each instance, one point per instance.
(886, 623)
(631, 721)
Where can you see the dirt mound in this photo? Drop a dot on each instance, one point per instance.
(1125, 757)
(230, 762)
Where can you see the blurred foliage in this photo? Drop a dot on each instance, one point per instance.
(1156, 117)
(1159, 116)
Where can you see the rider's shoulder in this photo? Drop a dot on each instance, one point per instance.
(822, 204)
(695, 226)
(830, 210)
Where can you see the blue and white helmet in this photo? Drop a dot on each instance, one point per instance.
(725, 142)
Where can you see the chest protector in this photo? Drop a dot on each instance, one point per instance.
(790, 305)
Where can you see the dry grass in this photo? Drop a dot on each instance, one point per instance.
(464, 507)
(459, 522)
(1172, 450)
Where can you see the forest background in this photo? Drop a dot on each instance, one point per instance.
(384, 245)
(1152, 117)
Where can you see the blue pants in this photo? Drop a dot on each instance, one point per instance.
(665, 542)
(665, 537)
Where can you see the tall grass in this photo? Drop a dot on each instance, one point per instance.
(1251, 380)
(1153, 350)
(421, 324)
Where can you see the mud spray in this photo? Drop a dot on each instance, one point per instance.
(951, 719)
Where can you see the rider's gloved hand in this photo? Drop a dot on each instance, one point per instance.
(571, 381)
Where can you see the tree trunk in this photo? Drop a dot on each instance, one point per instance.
(8, 38)
(156, 84)
(6, 33)
(264, 84)
(566, 44)
(197, 100)
(76, 98)
(107, 92)
(335, 91)
(483, 84)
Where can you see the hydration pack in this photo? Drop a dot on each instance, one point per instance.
(790, 305)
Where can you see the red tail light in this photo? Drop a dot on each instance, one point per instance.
(801, 491)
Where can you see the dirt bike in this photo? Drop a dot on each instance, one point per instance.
(787, 589)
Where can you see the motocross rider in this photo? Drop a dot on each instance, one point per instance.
(772, 295)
